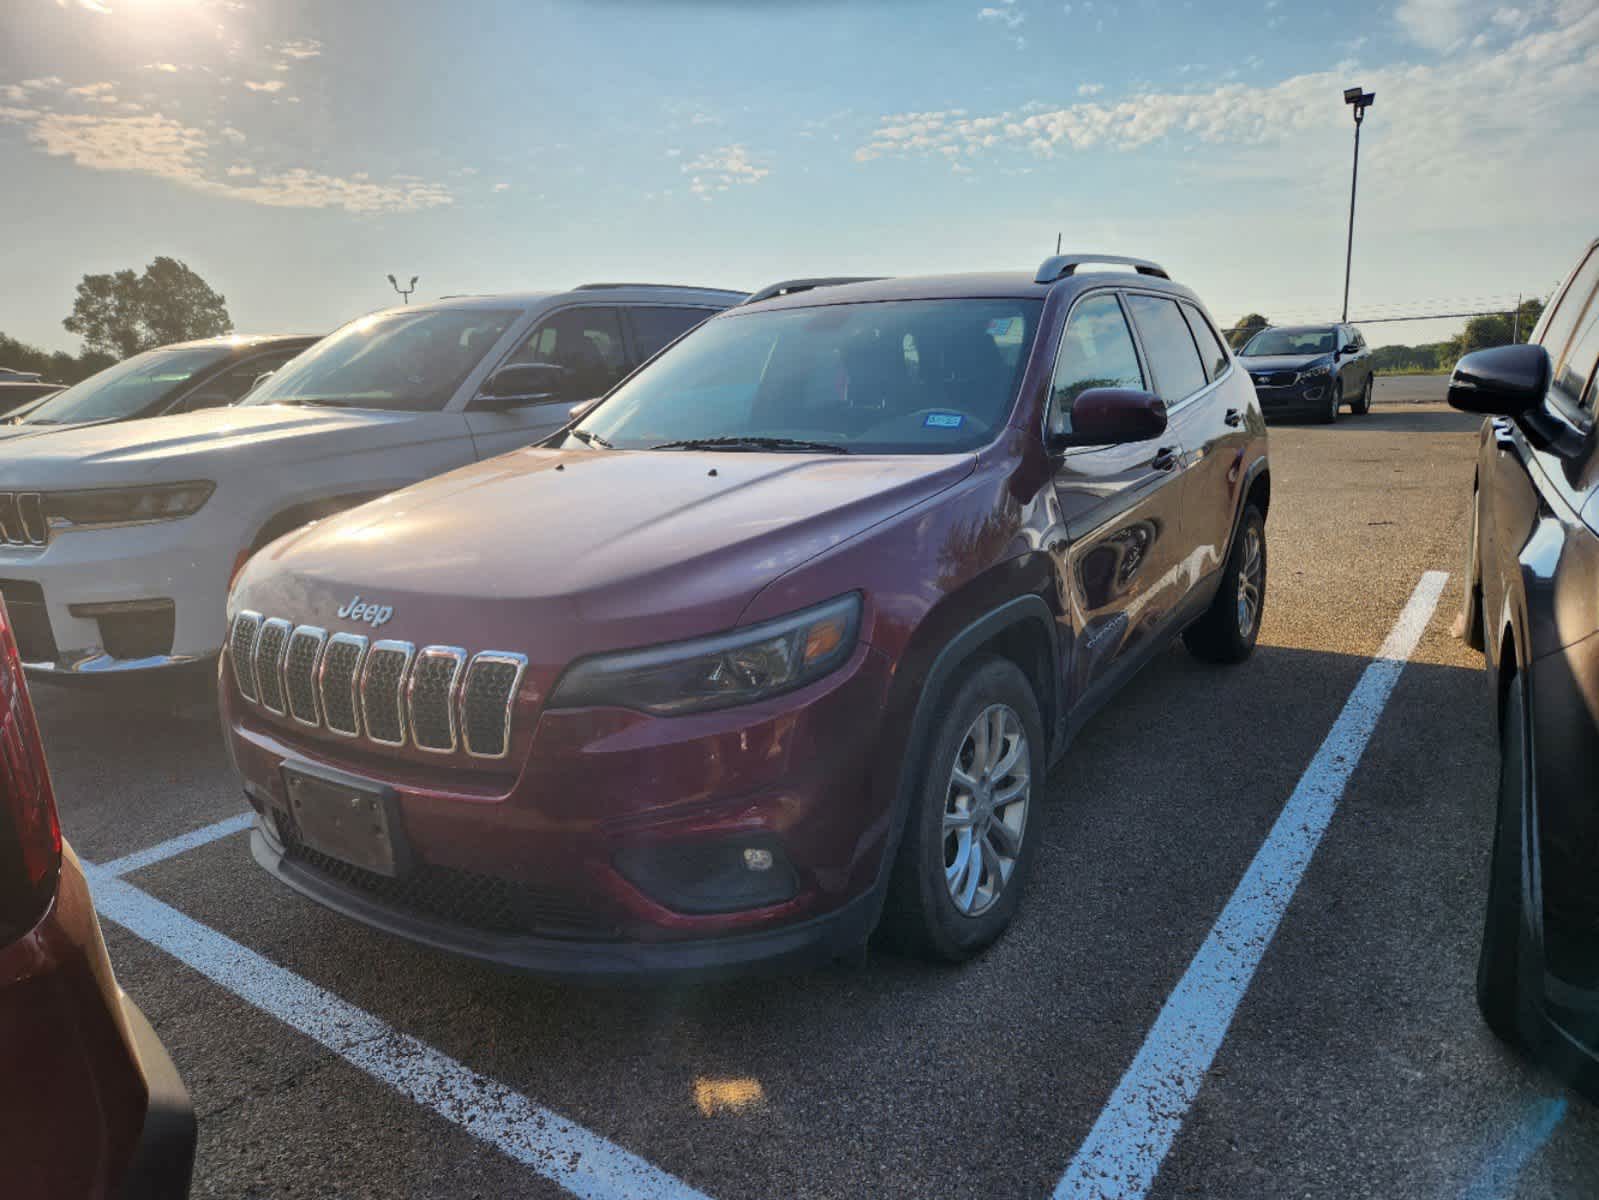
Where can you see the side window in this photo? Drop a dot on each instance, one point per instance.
(1095, 351)
(1568, 309)
(587, 342)
(1210, 347)
(1575, 370)
(231, 385)
(1173, 358)
(656, 328)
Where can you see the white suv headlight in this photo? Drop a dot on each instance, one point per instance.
(99, 508)
(737, 667)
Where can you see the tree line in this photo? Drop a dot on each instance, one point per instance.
(1493, 329)
(122, 314)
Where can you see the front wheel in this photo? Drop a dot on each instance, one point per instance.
(1227, 631)
(1335, 402)
(1361, 405)
(1499, 960)
(973, 827)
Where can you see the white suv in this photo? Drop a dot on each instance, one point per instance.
(118, 542)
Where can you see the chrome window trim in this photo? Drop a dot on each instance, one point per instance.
(277, 667)
(519, 661)
(451, 698)
(321, 636)
(247, 671)
(408, 649)
(360, 644)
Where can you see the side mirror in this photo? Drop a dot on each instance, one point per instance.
(581, 408)
(522, 383)
(1112, 417)
(1506, 381)
(259, 380)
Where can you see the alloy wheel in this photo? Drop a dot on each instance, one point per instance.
(985, 809)
(1251, 580)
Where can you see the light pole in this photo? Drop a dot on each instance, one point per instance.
(1360, 100)
(405, 292)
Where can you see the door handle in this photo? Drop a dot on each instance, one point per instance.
(1233, 417)
(1165, 458)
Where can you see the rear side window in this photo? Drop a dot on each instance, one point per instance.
(1169, 346)
(1095, 351)
(656, 328)
(587, 342)
(1575, 370)
(1210, 347)
(1568, 310)
(231, 385)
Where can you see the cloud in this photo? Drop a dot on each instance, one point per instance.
(1442, 25)
(1008, 14)
(502, 187)
(718, 170)
(164, 148)
(1090, 89)
(166, 68)
(272, 85)
(299, 48)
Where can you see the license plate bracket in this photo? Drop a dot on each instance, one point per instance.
(348, 818)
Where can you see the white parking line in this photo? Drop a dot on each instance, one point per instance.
(1135, 1130)
(581, 1162)
(181, 844)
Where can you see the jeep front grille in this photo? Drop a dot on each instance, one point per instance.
(440, 699)
(269, 651)
(22, 520)
(299, 673)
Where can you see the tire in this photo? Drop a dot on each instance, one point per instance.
(1468, 625)
(924, 914)
(1223, 635)
(1361, 404)
(1331, 415)
(1499, 959)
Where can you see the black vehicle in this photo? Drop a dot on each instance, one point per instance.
(1309, 370)
(183, 377)
(1534, 571)
(18, 392)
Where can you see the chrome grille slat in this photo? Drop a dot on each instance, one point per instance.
(11, 520)
(339, 682)
(246, 628)
(430, 697)
(270, 649)
(488, 699)
(300, 663)
(30, 513)
(383, 691)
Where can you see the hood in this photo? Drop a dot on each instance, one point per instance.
(1282, 362)
(196, 445)
(557, 554)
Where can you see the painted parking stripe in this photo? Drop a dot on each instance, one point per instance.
(1135, 1130)
(181, 844)
(568, 1155)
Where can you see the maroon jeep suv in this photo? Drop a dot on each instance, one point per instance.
(775, 642)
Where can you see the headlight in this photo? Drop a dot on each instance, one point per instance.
(731, 668)
(1315, 371)
(125, 506)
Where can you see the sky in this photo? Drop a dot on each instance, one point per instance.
(295, 153)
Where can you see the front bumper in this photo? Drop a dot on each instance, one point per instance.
(186, 563)
(1298, 398)
(537, 866)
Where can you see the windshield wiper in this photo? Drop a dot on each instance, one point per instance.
(753, 443)
(591, 439)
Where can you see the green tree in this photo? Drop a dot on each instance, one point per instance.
(56, 366)
(1246, 329)
(125, 313)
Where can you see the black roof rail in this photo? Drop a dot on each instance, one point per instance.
(1058, 266)
(676, 287)
(792, 287)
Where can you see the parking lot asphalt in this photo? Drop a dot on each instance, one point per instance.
(1356, 1065)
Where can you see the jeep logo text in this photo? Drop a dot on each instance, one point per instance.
(375, 615)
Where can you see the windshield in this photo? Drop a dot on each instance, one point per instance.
(895, 377)
(402, 361)
(136, 387)
(1290, 341)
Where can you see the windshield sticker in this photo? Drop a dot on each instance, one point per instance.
(943, 421)
(1005, 329)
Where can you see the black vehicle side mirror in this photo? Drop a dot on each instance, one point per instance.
(522, 383)
(1112, 417)
(1505, 381)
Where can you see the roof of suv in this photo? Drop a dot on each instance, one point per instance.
(242, 340)
(632, 293)
(976, 286)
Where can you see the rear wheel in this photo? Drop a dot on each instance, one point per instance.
(973, 828)
(1499, 960)
(1361, 405)
(1227, 631)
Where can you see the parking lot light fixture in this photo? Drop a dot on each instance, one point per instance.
(405, 292)
(1359, 99)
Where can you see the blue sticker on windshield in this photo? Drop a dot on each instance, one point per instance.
(943, 420)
